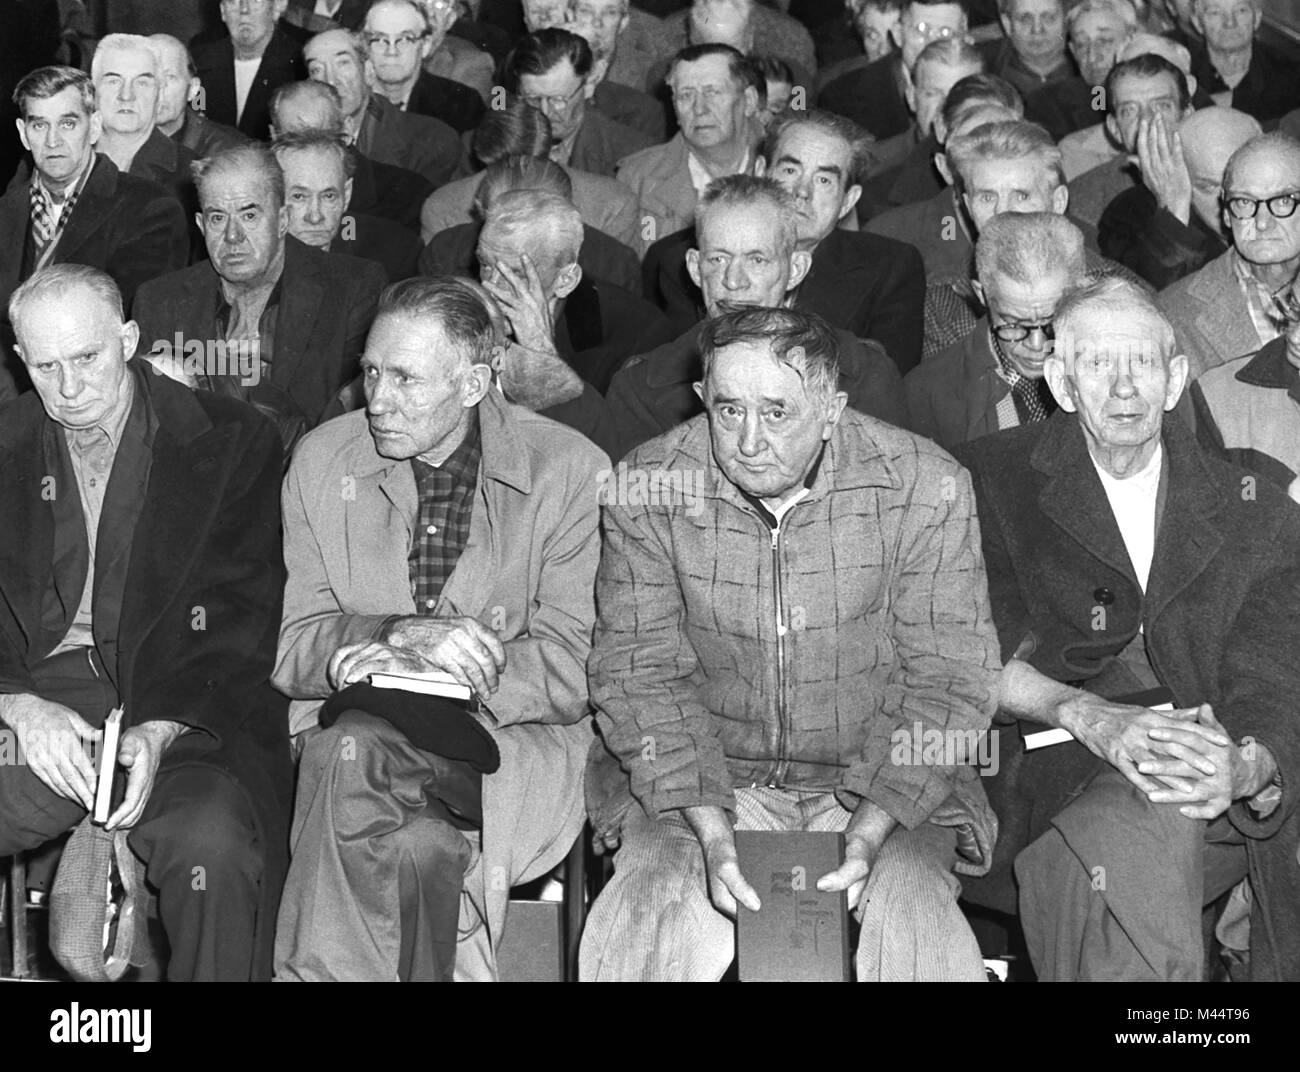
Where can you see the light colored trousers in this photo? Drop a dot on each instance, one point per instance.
(654, 921)
(370, 867)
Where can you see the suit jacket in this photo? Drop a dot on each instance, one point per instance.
(954, 396)
(418, 143)
(453, 102)
(934, 228)
(204, 137)
(1065, 106)
(640, 47)
(1218, 613)
(912, 179)
(632, 108)
(775, 34)
(1270, 88)
(388, 191)
(1162, 249)
(132, 229)
(1092, 192)
(327, 301)
(388, 244)
(605, 204)
(214, 61)
(661, 180)
(452, 252)
(1212, 324)
(870, 95)
(208, 535)
(869, 286)
(167, 163)
(601, 325)
(601, 143)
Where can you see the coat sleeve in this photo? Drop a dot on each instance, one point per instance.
(157, 241)
(645, 676)
(945, 678)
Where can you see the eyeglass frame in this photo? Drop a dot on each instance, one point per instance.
(565, 103)
(1293, 195)
(402, 42)
(1047, 327)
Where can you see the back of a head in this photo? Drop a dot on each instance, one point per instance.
(514, 173)
(1027, 246)
(748, 190)
(980, 90)
(860, 143)
(541, 51)
(46, 82)
(742, 73)
(552, 226)
(1016, 140)
(1217, 132)
(949, 52)
(1157, 44)
(322, 99)
(1148, 65)
(518, 129)
(254, 159)
(1272, 144)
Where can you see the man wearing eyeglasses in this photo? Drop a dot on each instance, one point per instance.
(874, 96)
(993, 379)
(1127, 567)
(240, 72)
(551, 70)
(631, 41)
(1229, 307)
(401, 37)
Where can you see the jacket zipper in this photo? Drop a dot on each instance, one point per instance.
(781, 768)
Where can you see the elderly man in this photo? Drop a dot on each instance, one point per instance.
(1170, 224)
(1230, 307)
(374, 124)
(993, 379)
(870, 286)
(875, 96)
(386, 190)
(627, 41)
(299, 315)
(77, 207)
(1097, 31)
(318, 171)
(838, 53)
(1236, 68)
(467, 545)
(178, 86)
(716, 107)
(1032, 54)
(401, 36)
(757, 722)
(551, 70)
(748, 256)
(166, 517)
(239, 72)
(1122, 834)
(748, 27)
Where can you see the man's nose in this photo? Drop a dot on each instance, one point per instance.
(1122, 385)
(234, 233)
(700, 106)
(735, 277)
(70, 382)
(126, 90)
(752, 441)
(314, 213)
(803, 188)
(53, 136)
(1036, 340)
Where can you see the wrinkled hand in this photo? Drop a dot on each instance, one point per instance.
(463, 647)
(54, 740)
(1164, 169)
(525, 303)
(353, 662)
(140, 751)
(1211, 772)
(859, 857)
(726, 884)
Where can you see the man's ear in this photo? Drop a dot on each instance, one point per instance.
(896, 35)
(1005, 20)
(1112, 128)
(698, 388)
(834, 411)
(96, 127)
(942, 166)
(851, 197)
(192, 94)
(760, 165)
(198, 221)
(567, 279)
(978, 288)
(1061, 199)
(909, 95)
(800, 263)
(693, 266)
(130, 339)
(589, 85)
(1179, 371)
(1054, 373)
(476, 384)
(1192, 86)
(282, 220)
(22, 134)
(751, 101)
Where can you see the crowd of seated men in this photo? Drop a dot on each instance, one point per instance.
(723, 397)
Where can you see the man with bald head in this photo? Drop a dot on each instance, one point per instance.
(178, 88)
(1230, 307)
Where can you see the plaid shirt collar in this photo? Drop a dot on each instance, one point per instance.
(40, 193)
(1260, 305)
(462, 464)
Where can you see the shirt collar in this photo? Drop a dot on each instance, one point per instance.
(72, 189)
(462, 464)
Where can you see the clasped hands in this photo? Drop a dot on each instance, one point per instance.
(463, 647)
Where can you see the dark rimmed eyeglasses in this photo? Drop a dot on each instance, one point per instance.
(1280, 206)
(1017, 332)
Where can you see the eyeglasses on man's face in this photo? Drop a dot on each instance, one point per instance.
(930, 31)
(1011, 332)
(1280, 206)
(556, 103)
(401, 43)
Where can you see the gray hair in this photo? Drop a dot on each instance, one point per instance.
(521, 173)
(124, 41)
(553, 220)
(836, 126)
(455, 307)
(256, 158)
(950, 52)
(748, 190)
(309, 87)
(1123, 10)
(800, 340)
(336, 144)
(1025, 246)
(1276, 139)
(1010, 140)
(1116, 296)
(58, 279)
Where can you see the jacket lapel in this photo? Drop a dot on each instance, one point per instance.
(1228, 322)
(15, 214)
(984, 388)
(28, 518)
(300, 305)
(93, 210)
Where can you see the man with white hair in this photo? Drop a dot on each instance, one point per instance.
(1123, 558)
(1170, 224)
(402, 35)
(1238, 69)
(1096, 31)
(178, 88)
(1032, 54)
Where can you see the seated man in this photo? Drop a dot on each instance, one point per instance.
(318, 171)
(755, 723)
(1152, 228)
(839, 53)
(874, 96)
(870, 286)
(401, 34)
(468, 544)
(1229, 307)
(751, 28)
(620, 102)
(241, 69)
(455, 53)
(296, 316)
(716, 107)
(178, 87)
(1097, 30)
(626, 39)
(1236, 68)
(373, 123)
(1122, 557)
(386, 190)
(551, 70)
(78, 207)
(993, 378)
(173, 515)
(519, 129)
(1032, 54)
(748, 256)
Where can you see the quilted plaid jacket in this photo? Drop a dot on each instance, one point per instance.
(820, 655)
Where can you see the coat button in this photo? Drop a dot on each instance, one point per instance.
(1104, 596)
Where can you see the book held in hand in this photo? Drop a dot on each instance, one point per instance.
(106, 767)
(429, 683)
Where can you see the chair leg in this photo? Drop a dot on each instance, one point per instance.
(18, 915)
(575, 903)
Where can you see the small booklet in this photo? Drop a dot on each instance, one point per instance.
(106, 767)
(430, 683)
(1034, 736)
